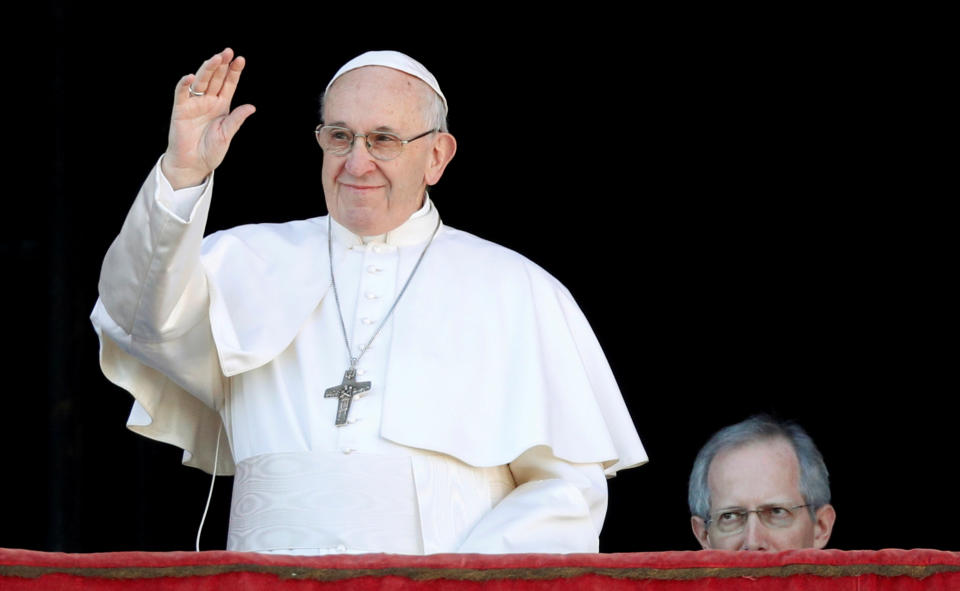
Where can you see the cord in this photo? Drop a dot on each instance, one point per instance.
(213, 479)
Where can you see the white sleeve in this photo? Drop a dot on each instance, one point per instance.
(153, 305)
(181, 203)
(557, 507)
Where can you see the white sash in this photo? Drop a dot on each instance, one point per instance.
(335, 503)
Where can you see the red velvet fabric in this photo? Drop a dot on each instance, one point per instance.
(711, 570)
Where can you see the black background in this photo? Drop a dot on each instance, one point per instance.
(746, 206)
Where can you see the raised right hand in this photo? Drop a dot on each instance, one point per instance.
(201, 127)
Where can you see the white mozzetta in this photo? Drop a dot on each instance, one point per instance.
(486, 362)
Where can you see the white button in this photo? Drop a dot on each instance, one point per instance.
(352, 420)
(378, 249)
(341, 548)
(348, 450)
(370, 295)
(361, 372)
(373, 269)
(367, 321)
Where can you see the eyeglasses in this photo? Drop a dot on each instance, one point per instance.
(382, 145)
(734, 520)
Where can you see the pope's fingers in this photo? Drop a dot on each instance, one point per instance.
(209, 68)
(182, 92)
(232, 78)
(203, 75)
(216, 81)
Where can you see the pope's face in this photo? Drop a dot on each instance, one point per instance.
(370, 196)
(755, 475)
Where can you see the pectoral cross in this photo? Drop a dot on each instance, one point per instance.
(345, 392)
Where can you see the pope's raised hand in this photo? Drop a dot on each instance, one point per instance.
(202, 123)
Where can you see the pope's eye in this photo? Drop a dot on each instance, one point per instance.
(730, 516)
(383, 138)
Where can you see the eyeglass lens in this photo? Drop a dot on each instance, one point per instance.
(339, 141)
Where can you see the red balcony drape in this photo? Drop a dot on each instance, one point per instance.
(707, 570)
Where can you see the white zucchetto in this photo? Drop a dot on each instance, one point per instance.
(395, 60)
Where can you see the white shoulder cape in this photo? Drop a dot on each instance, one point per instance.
(490, 354)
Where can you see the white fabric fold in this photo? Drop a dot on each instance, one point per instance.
(484, 341)
(557, 506)
(489, 355)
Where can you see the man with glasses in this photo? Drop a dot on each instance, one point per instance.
(378, 381)
(760, 484)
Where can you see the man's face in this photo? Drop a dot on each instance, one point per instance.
(757, 475)
(370, 196)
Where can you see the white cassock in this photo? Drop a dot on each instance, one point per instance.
(492, 422)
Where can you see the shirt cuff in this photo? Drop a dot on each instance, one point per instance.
(180, 203)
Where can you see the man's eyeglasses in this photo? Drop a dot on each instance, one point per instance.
(733, 521)
(382, 145)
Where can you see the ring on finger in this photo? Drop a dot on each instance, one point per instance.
(195, 92)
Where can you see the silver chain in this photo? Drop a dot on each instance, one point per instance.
(336, 296)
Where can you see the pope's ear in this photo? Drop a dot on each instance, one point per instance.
(444, 147)
(699, 527)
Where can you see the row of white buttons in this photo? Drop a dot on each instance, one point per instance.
(373, 270)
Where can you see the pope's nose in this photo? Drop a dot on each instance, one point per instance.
(359, 161)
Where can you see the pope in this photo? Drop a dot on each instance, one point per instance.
(376, 380)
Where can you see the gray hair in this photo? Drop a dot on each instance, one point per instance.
(435, 113)
(814, 478)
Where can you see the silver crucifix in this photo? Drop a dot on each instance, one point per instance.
(345, 393)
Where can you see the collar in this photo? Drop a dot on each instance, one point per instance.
(416, 230)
